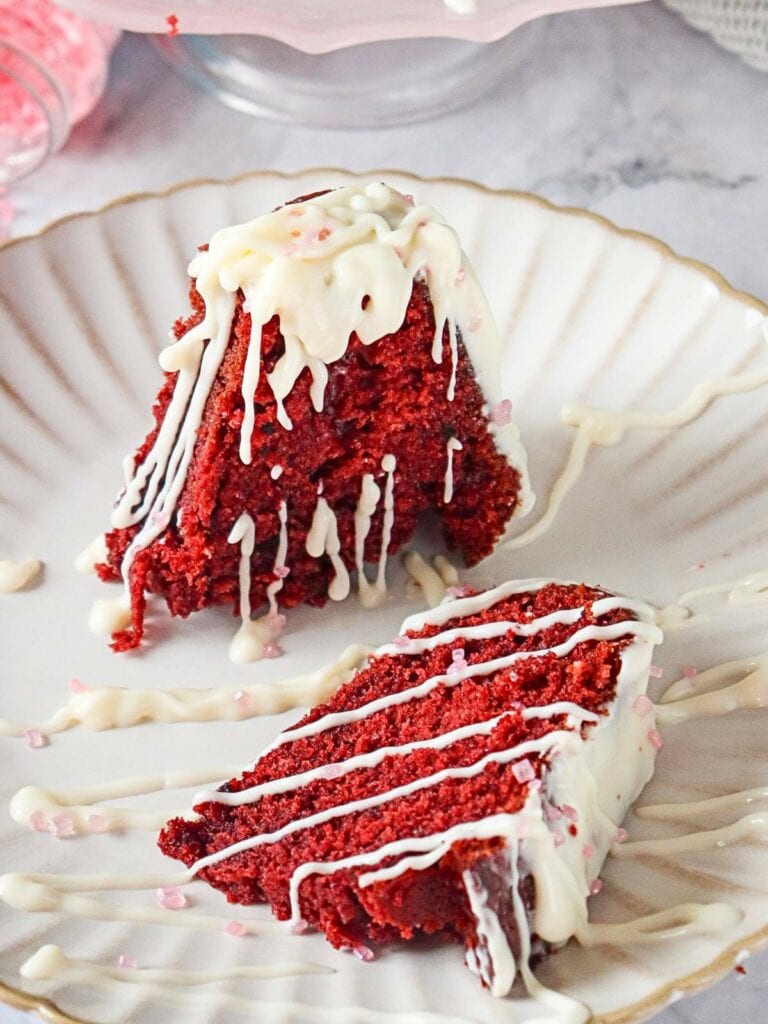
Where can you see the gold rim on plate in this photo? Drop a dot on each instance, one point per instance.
(722, 964)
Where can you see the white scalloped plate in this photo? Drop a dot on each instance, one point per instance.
(588, 312)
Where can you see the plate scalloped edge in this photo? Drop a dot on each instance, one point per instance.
(669, 992)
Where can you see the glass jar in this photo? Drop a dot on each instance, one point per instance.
(53, 68)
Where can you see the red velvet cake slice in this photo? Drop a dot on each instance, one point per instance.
(340, 375)
(467, 781)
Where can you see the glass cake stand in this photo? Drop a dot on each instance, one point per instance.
(341, 63)
(371, 85)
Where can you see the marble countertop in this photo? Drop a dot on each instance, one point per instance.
(624, 110)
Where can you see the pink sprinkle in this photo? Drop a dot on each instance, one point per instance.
(236, 928)
(461, 275)
(158, 518)
(558, 838)
(126, 960)
(272, 651)
(76, 686)
(458, 591)
(588, 850)
(642, 705)
(596, 886)
(655, 738)
(656, 672)
(322, 234)
(456, 666)
(35, 739)
(331, 771)
(171, 897)
(62, 826)
(281, 571)
(408, 198)
(299, 927)
(173, 25)
(97, 823)
(402, 643)
(276, 623)
(570, 813)
(552, 813)
(242, 698)
(535, 785)
(458, 654)
(501, 414)
(363, 953)
(621, 835)
(523, 771)
(689, 672)
(38, 822)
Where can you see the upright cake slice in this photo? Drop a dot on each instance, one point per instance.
(469, 780)
(339, 376)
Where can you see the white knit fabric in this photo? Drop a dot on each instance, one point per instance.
(738, 25)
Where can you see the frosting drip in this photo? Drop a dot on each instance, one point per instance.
(17, 575)
(605, 428)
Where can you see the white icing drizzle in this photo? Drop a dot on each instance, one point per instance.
(323, 539)
(249, 641)
(707, 839)
(642, 630)
(489, 630)
(278, 583)
(17, 575)
(569, 1011)
(115, 707)
(574, 712)
(388, 464)
(471, 605)
(447, 570)
(747, 592)
(452, 445)
(428, 580)
(370, 492)
(40, 893)
(49, 962)
(682, 921)
(749, 690)
(82, 803)
(432, 580)
(109, 614)
(313, 264)
(606, 428)
(516, 753)
(55, 966)
(492, 959)
(151, 495)
(685, 810)
(95, 554)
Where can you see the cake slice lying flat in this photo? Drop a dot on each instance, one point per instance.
(339, 376)
(468, 780)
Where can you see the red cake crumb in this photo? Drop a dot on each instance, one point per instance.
(434, 899)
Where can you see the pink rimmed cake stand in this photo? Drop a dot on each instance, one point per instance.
(341, 63)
